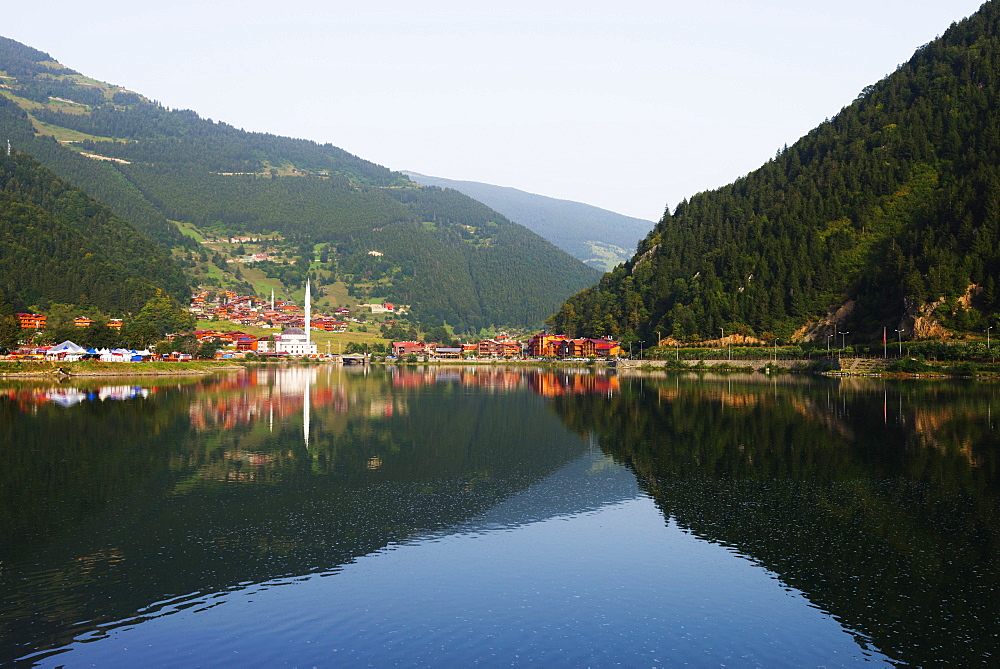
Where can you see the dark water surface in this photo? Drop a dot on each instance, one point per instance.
(315, 516)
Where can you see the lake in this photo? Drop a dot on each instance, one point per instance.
(450, 516)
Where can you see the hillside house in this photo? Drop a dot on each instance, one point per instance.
(31, 321)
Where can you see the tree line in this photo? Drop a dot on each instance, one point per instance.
(892, 204)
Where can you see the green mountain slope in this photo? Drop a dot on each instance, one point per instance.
(382, 236)
(888, 215)
(598, 237)
(58, 245)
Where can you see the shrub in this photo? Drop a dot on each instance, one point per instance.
(908, 366)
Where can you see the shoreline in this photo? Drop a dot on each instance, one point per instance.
(95, 369)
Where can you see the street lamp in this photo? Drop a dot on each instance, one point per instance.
(900, 343)
(843, 340)
(988, 336)
(828, 337)
(728, 352)
(775, 350)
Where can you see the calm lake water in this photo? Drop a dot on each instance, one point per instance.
(316, 516)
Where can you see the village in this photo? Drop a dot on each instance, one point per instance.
(291, 337)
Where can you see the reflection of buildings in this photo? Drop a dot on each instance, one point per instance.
(500, 379)
(245, 398)
(68, 396)
(552, 384)
(547, 384)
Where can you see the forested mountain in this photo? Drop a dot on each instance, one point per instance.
(598, 237)
(887, 215)
(451, 258)
(59, 245)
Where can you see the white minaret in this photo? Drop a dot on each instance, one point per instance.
(272, 299)
(308, 316)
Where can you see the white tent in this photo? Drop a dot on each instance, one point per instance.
(66, 351)
(67, 347)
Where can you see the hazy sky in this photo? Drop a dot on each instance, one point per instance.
(630, 106)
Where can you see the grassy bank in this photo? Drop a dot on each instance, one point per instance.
(98, 368)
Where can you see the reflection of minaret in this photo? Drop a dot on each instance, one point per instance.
(305, 409)
(308, 317)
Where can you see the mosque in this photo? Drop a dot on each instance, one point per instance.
(293, 341)
(296, 341)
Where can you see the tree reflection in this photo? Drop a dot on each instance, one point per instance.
(112, 508)
(878, 500)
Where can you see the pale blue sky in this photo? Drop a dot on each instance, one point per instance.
(629, 106)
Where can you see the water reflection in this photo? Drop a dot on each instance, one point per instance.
(66, 396)
(877, 501)
(205, 486)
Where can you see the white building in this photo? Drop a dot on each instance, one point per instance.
(294, 341)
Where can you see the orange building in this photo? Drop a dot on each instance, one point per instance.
(541, 345)
(246, 344)
(31, 321)
(82, 322)
(498, 347)
(115, 324)
(589, 348)
(607, 348)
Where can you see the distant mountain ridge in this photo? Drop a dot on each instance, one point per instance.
(598, 237)
(341, 220)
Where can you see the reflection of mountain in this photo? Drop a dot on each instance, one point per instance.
(591, 482)
(188, 507)
(836, 488)
(879, 502)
